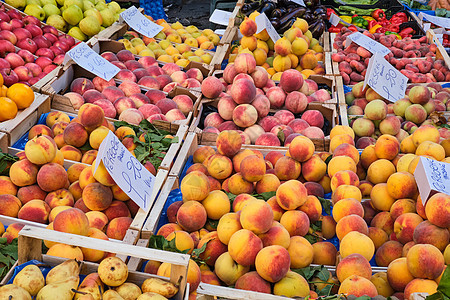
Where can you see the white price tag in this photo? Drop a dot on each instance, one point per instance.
(432, 177)
(386, 80)
(366, 42)
(128, 173)
(90, 60)
(440, 37)
(262, 22)
(139, 22)
(438, 21)
(334, 20)
(426, 26)
(220, 17)
(299, 2)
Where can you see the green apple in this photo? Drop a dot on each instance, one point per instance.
(100, 6)
(60, 2)
(89, 26)
(94, 13)
(44, 2)
(58, 22)
(35, 10)
(20, 4)
(37, 2)
(78, 3)
(108, 17)
(51, 9)
(73, 15)
(77, 33)
(88, 5)
(115, 6)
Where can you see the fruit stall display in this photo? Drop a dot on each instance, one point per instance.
(45, 276)
(77, 18)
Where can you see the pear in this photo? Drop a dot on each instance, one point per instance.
(61, 290)
(115, 6)
(73, 14)
(101, 6)
(38, 2)
(58, 22)
(91, 285)
(129, 290)
(69, 268)
(36, 11)
(89, 26)
(151, 296)
(94, 13)
(78, 3)
(88, 5)
(51, 9)
(19, 4)
(31, 279)
(112, 295)
(113, 271)
(11, 291)
(44, 2)
(77, 33)
(60, 2)
(159, 286)
(107, 16)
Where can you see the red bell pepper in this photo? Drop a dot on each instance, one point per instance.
(396, 20)
(384, 22)
(378, 14)
(381, 30)
(402, 16)
(393, 28)
(329, 12)
(371, 24)
(353, 28)
(335, 29)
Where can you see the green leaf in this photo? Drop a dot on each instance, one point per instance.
(436, 296)
(326, 290)
(328, 159)
(312, 239)
(363, 298)
(118, 124)
(444, 284)
(323, 274)
(307, 272)
(231, 197)
(265, 196)
(316, 226)
(86, 146)
(6, 158)
(212, 223)
(326, 204)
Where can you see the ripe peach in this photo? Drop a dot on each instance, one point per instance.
(74, 171)
(228, 270)
(324, 253)
(183, 241)
(72, 221)
(52, 177)
(291, 80)
(312, 207)
(301, 149)
(419, 285)
(66, 251)
(378, 236)
(71, 153)
(191, 216)
(388, 252)
(214, 247)
(40, 150)
(168, 228)
(398, 274)
(97, 219)
(436, 210)
(117, 228)
(296, 222)
(431, 149)
(425, 133)
(243, 247)
(243, 91)
(356, 242)
(117, 209)
(35, 211)
(301, 252)
(358, 286)
(228, 225)
(380, 170)
(251, 281)
(245, 63)
(345, 192)
(272, 263)
(404, 226)
(384, 221)
(241, 200)
(314, 169)
(339, 140)
(380, 198)
(354, 264)
(216, 204)
(425, 261)
(346, 207)
(97, 196)
(58, 198)
(387, 147)
(382, 285)
(268, 139)
(402, 206)
(427, 233)
(349, 224)
(9, 205)
(328, 227)
(291, 194)
(7, 187)
(292, 285)
(276, 235)
(228, 143)
(54, 117)
(340, 163)
(287, 168)
(91, 116)
(89, 157)
(257, 216)
(268, 183)
(30, 192)
(195, 186)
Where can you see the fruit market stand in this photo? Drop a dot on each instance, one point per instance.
(301, 149)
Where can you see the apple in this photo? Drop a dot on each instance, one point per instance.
(25, 82)
(24, 73)
(35, 30)
(6, 26)
(9, 36)
(34, 68)
(63, 45)
(109, 56)
(56, 50)
(147, 61)
(42, 75)
(50, 29)
(16, 23)
(26, 55)
(33, 80)
(14, 60)
(43, 62)
(51, 37)
(14, 14)
(4, 64)
(4, 16)
(59, 59)
(6, 47)
(45, 52)
(41, 42)
(22, 33)
(49, 68)
(31, 20)
(27, 44)
(9, 77)
(67, 39)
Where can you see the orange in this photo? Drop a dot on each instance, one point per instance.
(8, 109)
(1, 80)
(3, 90)
(21, 94)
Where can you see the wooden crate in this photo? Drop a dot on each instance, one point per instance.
(4, 142)
(30, 247)
(26, 118)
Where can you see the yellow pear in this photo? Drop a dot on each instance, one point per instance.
(113, 271)
(91, 285)
(69, 268)
(11, 291)
(159, 286)
(128, 290)
(31, 279)
(151, 296)
(112, 295)
(61, 290)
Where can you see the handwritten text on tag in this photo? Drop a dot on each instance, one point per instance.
(140, 23)
(220, 17)
(366, 42)
(262, 22)
(90, 60)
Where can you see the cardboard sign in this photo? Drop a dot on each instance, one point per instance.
(262, 22)
(220, 17)
(128, 173)
(299, 2)
(386, 80)
(334, 20)
(432, 177)
(90, 60)
(139, 22)
(367, 43)
(438, 21)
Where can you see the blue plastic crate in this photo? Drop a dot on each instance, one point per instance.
(153, 8)
(418, 11)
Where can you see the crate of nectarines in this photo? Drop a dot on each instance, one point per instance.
(62, 273)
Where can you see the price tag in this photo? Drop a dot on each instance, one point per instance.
(386, 80)
(299, 2)
(90, 60)
(426, 26)
(432, 177)
(262, 22)
(366, 42)
(220, 17)
(139, 22)
(335, 20)
(128, 173)
(438, 21)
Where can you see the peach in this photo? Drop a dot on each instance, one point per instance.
(301, 149)
(419, 285)
(74, 171)
(102, 175)
(75, 135)
(191, 216)
(436, 210)
(211, 87)
(226, 107)
(168, 228)
(245, 115)
(86, 177)
(66, 251)
(91, 254)
(58, 198)
(30, 192)
(296, 222)
(339, 140)
(40, 150)
(41, 129)
(81, 206)
(248, 28)
(220, 166)
(117, 228)
(344, 192)
(243, 247)
(183, 241)
(398, 274)
(216, 204)
(117, 209)
(97, 196)
(277, 210)
(365, 187)
(382, 285)
(358, 286)
(272, 263)
(402, 206)
(356, 242)
(425, 261)
(384, 221)
(7, 187)
(89, 157)
(314, 169)
(346, 207)
(71, 153)
(378, 236)
(428, 148)
(427, 233)
(202, 153)
(351, 223)
(35, 211)
(324, 253)
(340, 163)
(387, 147)
(276, 235)
(354, 264)
(257, 216)
(52, 177)
(291, 80)
(268, 183)
(72, 220)
(376, 110)
(195, 186)
(228, 225)
(287, 168)
(241, 200)
(312, 207)
(245, 63)
(301, 252)
(380, 198)
(425, 133)
(10, 205)
(228, 270)
(404, 226)
(328, 227)
(401, 185)
(388, 252)
(380, 170)
(54, 117)
(214, 247)
(415, 113)
(344, 177)
(253, 282)
(292, 285)
(228, 143)
(268, 139)
(243, 91)
(90, 116)
(97, 219)
(291, 194)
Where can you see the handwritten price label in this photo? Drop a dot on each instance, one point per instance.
(386, 80)
(90, 60)
(139, 22)
(334, 20)
(366, 42)
(432, 177)
(128, 173)
(262, 22)
(220, 17)
(438, 21)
